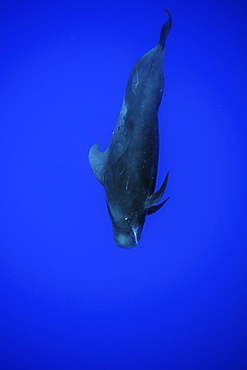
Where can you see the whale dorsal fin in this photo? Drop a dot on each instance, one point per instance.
(97, 160)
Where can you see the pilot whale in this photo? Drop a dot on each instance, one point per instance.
(127, 169)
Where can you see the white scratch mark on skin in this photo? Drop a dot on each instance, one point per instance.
(135, 232)
(121, 172)
(127, 183)
(135, 82)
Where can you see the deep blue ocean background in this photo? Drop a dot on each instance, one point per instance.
(70, 298)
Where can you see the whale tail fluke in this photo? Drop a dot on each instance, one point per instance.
(165, 30)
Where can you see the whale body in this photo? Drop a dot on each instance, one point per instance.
(127, 169)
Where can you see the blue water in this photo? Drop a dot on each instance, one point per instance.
(70, 298)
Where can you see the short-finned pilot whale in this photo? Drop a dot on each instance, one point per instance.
(128, 167)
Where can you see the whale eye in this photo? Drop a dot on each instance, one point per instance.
(126, 218)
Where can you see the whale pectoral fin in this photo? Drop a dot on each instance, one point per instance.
(155, 198)
(97, 160)
(154, 209)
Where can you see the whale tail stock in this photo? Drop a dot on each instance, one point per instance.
(165, 30)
